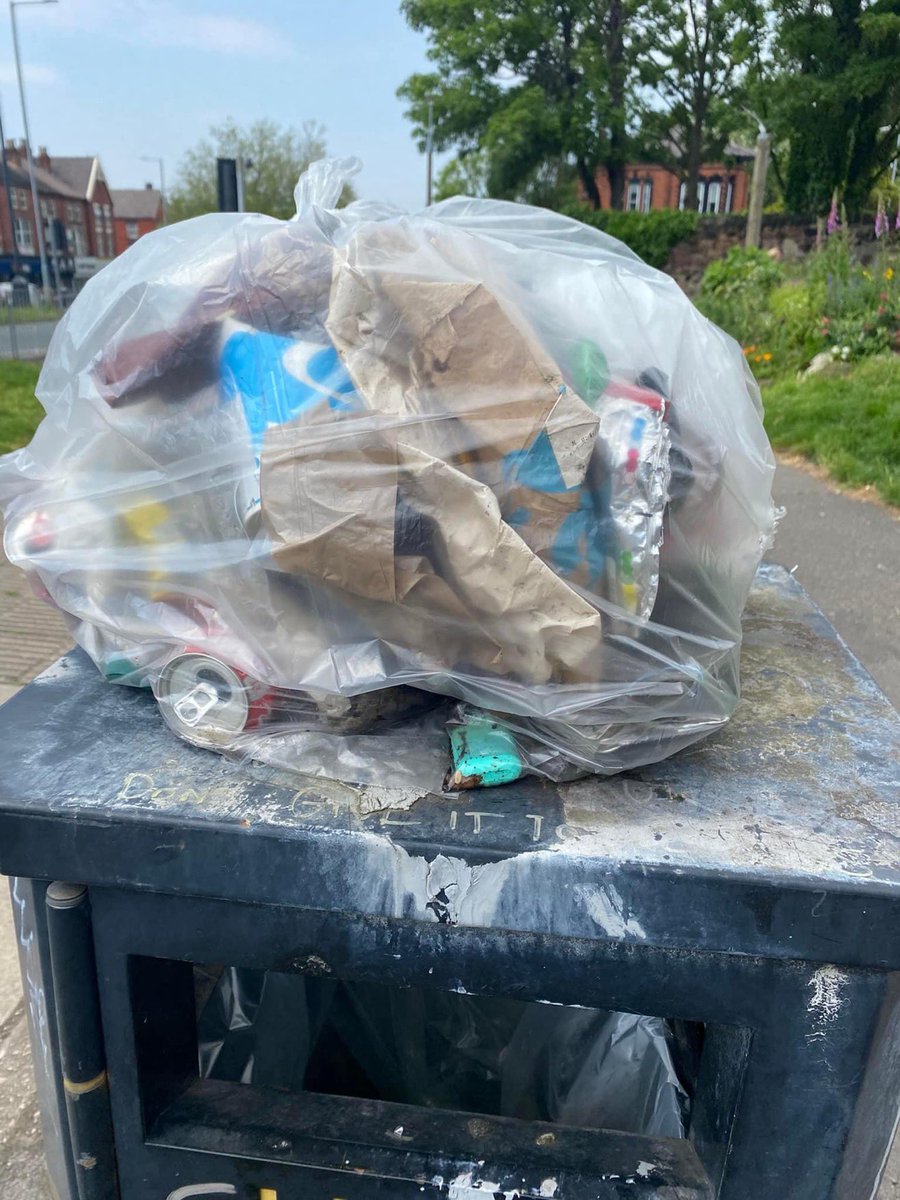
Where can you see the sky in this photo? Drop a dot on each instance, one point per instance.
(125, 78)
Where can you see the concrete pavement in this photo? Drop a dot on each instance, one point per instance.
(32, 635)
(846, 552)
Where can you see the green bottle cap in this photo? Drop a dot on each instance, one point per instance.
(590, 371)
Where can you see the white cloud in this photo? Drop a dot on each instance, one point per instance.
(170, 23)
(35, 73)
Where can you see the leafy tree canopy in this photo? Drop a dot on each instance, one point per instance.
(274, 157)
(528, 84)
(835, 97)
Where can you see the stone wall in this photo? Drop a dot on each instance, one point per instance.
(788, 237)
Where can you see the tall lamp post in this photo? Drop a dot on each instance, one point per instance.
(38, 215)
(429, 151)
(162, 182)
(14, 248)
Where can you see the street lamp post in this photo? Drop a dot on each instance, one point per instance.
(162, 182)
(429, 150)
(38, 216)
(14, 248)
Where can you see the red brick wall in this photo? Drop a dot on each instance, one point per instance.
(28, 212)
(665, 184)
(123, 241)
(100, 229)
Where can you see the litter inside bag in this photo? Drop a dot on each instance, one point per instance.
(336, 486)
(420, 1046)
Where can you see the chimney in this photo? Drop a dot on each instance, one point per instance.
(43, 158)
(149, 187)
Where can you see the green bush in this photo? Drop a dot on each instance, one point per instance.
(797, 311)
(860, 305)
(741, 275)
(652, 236)
(736, 294)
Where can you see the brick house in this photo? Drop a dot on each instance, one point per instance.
(76, 216)
(18, 242)
(85, 176)
(724, 187)
(136, 211)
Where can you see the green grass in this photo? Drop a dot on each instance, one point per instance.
(22, 316)
(19, 411)
(848, 424)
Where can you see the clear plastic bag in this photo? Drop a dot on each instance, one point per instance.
(327, 484)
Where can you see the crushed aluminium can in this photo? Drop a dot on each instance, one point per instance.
(210, 702)
(207, 701)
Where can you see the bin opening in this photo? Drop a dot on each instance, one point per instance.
(424, 1046)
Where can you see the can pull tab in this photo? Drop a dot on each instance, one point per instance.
(192, 708)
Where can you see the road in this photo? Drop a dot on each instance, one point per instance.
(31, 339)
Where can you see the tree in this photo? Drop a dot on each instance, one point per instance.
(465, 175)
(838, 97)
(541, 88)
(274, 157)
(696, 55)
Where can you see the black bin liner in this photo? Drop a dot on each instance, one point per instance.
(422, 1046)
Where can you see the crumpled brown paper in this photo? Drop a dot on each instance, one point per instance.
(475, 582)
(452, 385)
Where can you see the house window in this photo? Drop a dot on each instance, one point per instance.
(73, 214)
(713, 194)
(24, 240)
(729, 195)
(80, 245)
(633, 202)
(48, 212)
(647, 196)
(19, 198)
(98, 214)
(131, 230)
(709, 195)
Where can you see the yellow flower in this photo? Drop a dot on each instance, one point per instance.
(757, 358)
(889, 273)
(767, 357)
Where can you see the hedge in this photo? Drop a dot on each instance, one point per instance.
(651, 235)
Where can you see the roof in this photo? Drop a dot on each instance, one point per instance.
(78, 173)
(736, 150)
(136, 204)
(50, 181)
(18, 176)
